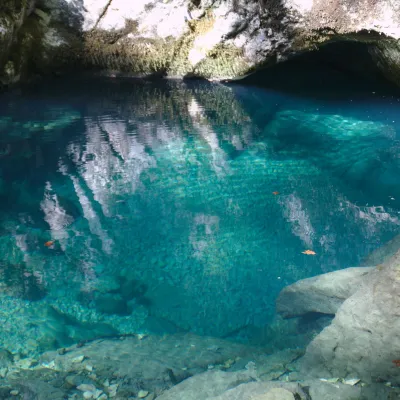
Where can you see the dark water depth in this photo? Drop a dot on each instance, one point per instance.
(130, 206)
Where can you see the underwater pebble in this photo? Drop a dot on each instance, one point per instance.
(142, 394)
(50, 365)
(86, 387)
(141, 336)
(89, 368)
(351, 382)
(3, 372)
(26, 363)
(330, 380)
(97, 393)
(229, 363)
(14, 393)
(113, 390)
(87, 395)
(32, 344)
(78, 359)
(62, 351)
(102, 397)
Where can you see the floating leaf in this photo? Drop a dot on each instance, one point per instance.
(49, 243)
(309, 252)
(275, 193)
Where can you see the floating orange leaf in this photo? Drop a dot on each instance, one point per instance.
(49, 243)
(309, 252)
(275, 193)
(396, 363)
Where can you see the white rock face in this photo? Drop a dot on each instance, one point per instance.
(241, 32)
(154, 19)
(364, 338)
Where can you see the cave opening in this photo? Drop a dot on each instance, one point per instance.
(342, 67)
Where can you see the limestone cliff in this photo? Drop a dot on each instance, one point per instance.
(215, 39)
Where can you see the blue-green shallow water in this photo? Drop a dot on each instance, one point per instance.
(159, 198)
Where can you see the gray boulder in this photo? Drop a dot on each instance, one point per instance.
(364, 337)
(205, 386)
(264, 391)
(321, 294)
(319, 390)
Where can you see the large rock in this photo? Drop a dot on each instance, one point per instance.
(13, 14)
(321, 294)
(364, 337)
(34, 41)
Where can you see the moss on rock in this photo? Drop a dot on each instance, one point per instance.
(127, 52)
(224, 61)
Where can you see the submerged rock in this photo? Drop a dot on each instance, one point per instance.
(6, 358)
(363, 340)
(157, 362)
(320, 294)
(175, 367)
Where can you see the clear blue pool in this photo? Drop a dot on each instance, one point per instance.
(130, 206)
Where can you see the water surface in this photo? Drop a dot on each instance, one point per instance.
(133, 206)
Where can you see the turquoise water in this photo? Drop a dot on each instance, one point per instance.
(159, 207)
